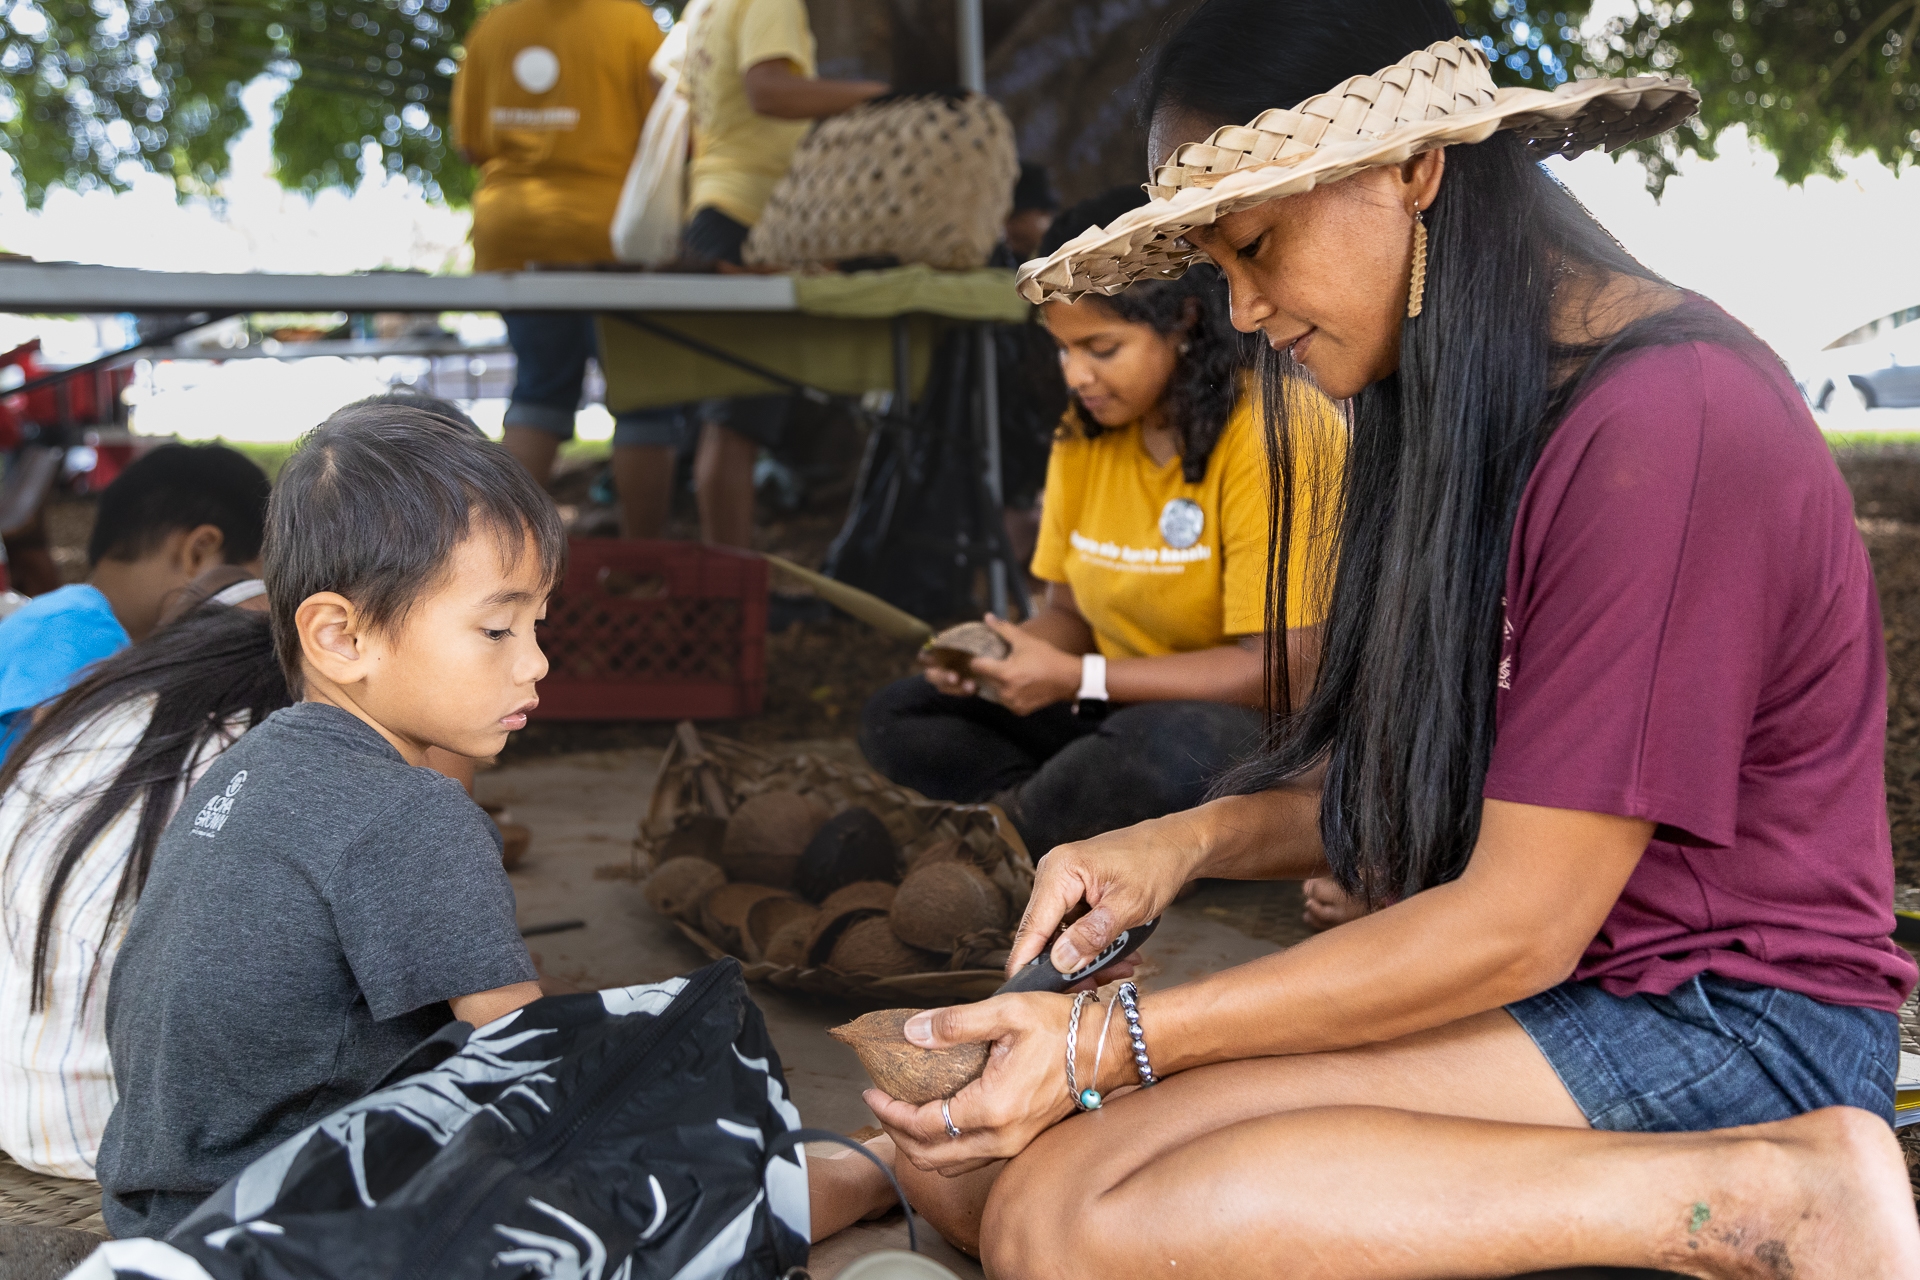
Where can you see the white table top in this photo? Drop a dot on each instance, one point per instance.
(53, 288)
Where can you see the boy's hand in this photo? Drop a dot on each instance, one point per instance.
(483, 1007)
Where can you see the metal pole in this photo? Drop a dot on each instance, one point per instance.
(973, 51)
(996, 499)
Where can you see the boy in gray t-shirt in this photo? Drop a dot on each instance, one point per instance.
(320, 901)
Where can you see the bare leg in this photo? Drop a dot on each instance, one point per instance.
(536, 450)
(843, 1186)
(643, 477)
(952, 1206)
(723, 481)
(1483, 1067)
(1488, 1158)
(1364, 1193)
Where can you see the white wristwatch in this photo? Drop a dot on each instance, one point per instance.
(1093, 678)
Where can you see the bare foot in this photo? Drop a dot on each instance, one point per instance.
(1823, 1196)
(844, 1187)
(1328, 904)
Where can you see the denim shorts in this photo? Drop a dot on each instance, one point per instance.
(1711, 1054)
(550, 352)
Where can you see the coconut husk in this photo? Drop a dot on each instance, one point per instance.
(787, 948)
(854, 845)
(942, 902)
(723, 912)
(676, 887)
(869, 946)
(957, 647)
(987, 949)
(698, 835)
(767, 917)
(842, 908)
(766, 836)
(906, 1071)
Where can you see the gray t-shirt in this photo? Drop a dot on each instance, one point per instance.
(311, 908)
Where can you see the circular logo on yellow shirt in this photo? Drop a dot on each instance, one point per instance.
(536, 69)
(1181, 521)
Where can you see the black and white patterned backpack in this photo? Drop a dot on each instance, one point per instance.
(614, 1135)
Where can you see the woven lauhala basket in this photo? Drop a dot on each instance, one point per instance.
(708, 774)
(923, 179)
(655, 631)
(36, 1200)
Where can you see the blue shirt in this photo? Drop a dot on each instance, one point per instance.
(45, 644)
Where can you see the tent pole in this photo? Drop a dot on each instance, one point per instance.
(973, 53)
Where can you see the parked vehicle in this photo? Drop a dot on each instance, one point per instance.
(1882, 372)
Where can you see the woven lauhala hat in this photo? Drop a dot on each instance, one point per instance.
(1432, 98)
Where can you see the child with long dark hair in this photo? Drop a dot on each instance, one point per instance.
(1154, 544)
(1599, 726)
(84, 796)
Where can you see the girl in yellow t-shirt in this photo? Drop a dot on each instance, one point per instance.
(1141, 675)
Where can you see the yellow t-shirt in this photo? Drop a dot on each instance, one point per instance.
(1158, 565)
(549, 102)
(738, 154)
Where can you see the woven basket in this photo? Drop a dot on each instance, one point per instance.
(923, 179)
(39, 1200)
(713, 775)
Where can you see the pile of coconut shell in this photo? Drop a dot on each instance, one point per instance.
(824, 877)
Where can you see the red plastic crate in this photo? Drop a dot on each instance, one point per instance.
(655, 631)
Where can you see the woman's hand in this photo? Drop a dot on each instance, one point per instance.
(1034, 674)
(1022, 1093)
(1125, 877)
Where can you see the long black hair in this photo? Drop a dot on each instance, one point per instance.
(1402, 710)
(212, 671)
(1206, 378)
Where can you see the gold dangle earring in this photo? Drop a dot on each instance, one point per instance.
(1417, 291)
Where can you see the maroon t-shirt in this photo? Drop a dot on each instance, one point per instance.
(1693, 637)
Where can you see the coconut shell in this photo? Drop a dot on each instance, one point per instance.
(843, 907)
(868, 946)
(906, 1071)
(957, 647)
(852, 846)
(675, 888)
(766, 835)
(941, 902)
(767, 917)
(723, 912)
(788, 945)
(940, 851)
(698, 835)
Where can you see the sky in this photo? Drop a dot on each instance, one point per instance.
(1801, 265)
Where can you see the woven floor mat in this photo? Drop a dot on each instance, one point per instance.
(36, 1200)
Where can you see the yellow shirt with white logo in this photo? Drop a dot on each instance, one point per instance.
(1160, 566)
(549, 102)
(739, 154)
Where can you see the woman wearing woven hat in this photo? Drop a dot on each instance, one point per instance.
(1136, 681)
(1599, 721)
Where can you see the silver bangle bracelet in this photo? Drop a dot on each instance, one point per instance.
(1129, 999)
(1073, 1042)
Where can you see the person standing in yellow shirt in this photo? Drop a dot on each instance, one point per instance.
(749, 80)
(1138, 679)
(549, 102)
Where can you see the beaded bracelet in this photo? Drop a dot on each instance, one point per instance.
(1129, 998)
